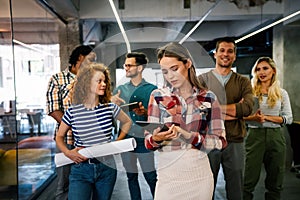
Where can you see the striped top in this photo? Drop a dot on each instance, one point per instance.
(91, 126)
(282, 108)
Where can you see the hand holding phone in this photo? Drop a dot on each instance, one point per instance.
(130, 106)
(150, 126)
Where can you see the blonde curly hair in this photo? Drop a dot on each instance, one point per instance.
(82, 83)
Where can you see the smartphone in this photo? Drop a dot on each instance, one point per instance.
(130, 106)
(150, 126)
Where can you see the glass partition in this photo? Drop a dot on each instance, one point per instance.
(29, 55)
(34, 127)
(8, 139)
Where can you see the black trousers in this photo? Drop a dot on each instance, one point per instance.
(293, 130)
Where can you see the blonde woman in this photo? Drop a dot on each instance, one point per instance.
(266, 143)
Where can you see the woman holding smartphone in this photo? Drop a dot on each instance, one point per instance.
(195, 123)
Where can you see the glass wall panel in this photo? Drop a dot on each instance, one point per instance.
(8, 139)
(29, 55)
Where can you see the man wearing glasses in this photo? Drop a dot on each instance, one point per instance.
(136, 90)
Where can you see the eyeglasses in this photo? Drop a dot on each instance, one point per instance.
(129, 65)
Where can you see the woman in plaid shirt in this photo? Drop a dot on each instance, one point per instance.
(193, 116)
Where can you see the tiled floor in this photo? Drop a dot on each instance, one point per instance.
(291, 188)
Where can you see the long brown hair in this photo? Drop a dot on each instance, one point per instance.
(83, 83)
(176, 50)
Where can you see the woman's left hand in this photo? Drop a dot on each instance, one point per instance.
(179, 131)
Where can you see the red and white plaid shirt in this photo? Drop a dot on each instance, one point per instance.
(200, 114)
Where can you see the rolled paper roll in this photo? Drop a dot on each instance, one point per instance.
(100, 150)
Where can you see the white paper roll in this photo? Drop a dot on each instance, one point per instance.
(96, 151)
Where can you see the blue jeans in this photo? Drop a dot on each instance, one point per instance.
(146, 160)
(97, 179)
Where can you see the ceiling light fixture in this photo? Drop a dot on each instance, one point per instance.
(198, 24)
(31, 47)
(113, 7)
(268, 26)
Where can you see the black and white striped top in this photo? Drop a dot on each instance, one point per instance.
(91, 126)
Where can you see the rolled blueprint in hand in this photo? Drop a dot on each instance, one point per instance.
(99, 151)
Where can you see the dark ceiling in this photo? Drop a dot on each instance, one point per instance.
(165, 20)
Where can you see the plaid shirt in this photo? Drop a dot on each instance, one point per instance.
(200, 114)
(58, 96)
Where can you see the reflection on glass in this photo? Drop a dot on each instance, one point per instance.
(26, 132)
(8, 162)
